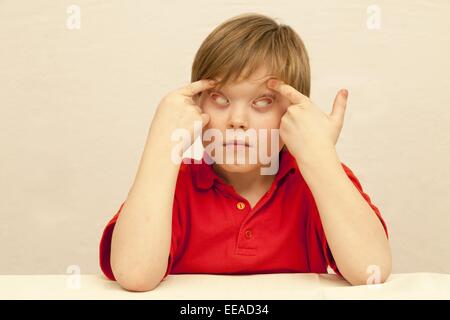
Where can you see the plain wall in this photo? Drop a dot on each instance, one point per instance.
(76, 106)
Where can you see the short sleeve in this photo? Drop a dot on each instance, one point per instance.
(320, 234)
(105, 242)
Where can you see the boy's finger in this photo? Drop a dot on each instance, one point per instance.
(196, 87)
(286, 90)
(339, 105)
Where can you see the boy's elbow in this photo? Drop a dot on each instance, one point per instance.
(138, 280)
(138, 283)
(362, 281)
(373, 274)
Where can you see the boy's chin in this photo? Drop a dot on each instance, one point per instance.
(238, 168)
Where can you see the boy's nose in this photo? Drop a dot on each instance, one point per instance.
(237, 119)
(237, 124)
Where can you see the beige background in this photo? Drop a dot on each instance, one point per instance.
(76, 106)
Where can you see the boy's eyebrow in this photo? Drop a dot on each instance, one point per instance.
(262, 90)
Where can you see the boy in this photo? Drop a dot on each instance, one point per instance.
(228, 218)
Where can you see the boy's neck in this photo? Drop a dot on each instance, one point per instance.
(245, 183)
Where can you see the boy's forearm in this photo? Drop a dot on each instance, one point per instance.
(355, 235)
(142, 234)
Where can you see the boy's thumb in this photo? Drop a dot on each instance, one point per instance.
(205, 119)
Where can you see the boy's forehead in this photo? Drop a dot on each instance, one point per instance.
(257, 78)
(250, 85)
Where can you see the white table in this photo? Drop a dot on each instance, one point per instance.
(268, 286)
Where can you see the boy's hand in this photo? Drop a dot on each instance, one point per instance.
(305, 129)
(178, 110)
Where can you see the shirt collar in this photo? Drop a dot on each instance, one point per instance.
(205, 177)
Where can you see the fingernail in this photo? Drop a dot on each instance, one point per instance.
(345, 93)
(212, 82)
(272, 83)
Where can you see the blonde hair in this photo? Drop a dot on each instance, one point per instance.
(238, 46)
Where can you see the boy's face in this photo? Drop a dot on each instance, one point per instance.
(245, 105)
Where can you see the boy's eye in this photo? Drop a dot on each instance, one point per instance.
(219, 99)
(260, 103)
(264, 102)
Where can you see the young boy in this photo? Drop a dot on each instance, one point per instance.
(229, 218)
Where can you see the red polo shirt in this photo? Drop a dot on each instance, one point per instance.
(215, 231)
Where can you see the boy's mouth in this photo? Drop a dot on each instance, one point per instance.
(238, 143)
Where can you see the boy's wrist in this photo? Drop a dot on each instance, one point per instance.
(327, 159)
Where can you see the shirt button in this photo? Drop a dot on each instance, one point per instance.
(240, 205)
(248, 234)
